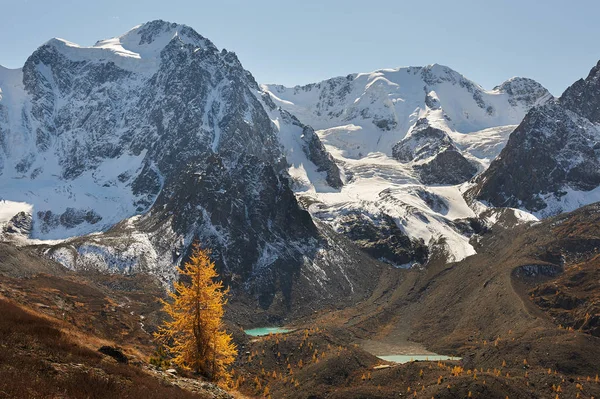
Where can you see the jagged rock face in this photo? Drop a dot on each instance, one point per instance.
(421, 143)
(205, 96)
(583, 97)
(316, 152)
(433, 155)
(552, 159)
(448, 167)
(18, 224)
(547, 152)
(247, 215)
(49, 72)
(382, 239)
(70, 218)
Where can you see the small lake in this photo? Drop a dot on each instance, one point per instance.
(258, 332)
(413, 358)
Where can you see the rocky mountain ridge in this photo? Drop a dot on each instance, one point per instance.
(551, 162)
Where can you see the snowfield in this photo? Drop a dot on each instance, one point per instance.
(361, 117)
(99, 191)
(395, 98)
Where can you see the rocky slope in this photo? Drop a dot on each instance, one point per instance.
(551, 162)
(529, 293)
(156, 139)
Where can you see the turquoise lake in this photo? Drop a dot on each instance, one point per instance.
(258, 332)
(412, 358)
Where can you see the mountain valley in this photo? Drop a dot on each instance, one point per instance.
(404, 211)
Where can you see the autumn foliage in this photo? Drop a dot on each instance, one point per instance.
(195, 336)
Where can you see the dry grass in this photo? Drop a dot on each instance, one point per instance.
(38, 360)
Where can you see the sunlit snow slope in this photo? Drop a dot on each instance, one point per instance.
(369, 122)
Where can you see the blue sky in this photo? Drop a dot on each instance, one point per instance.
(298, 42)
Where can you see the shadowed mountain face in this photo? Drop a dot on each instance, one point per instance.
(551, 162)
(583, 97)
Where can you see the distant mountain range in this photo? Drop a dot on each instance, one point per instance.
(405, 140)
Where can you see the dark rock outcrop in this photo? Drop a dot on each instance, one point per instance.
(555, 149)
(115, 353)
(18, 224)
(448, 167)
(434, 155)
(70, 218)
(382, 239)
(583, 97)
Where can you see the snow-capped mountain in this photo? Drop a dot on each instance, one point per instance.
(551, 163)
(127, 151)
(371, 112)
(156, 138)
(404, 140)
(80, 126)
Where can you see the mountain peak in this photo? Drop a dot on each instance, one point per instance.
(58, 42)
(517, 84)
(137, 50)
(524, 90)
(439, 69)
(583, 96)
(149, 39)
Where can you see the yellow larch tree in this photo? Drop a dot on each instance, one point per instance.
(195, 336)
